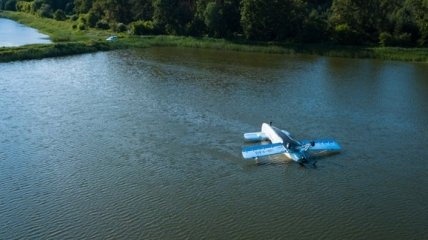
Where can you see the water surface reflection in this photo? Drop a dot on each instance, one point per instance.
(14, 34)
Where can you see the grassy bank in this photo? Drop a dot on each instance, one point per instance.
(384, 53)
(50, 50)
(68, 41)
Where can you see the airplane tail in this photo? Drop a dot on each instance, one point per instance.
(255, 136)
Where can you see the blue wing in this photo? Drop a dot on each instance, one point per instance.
(323, 145)
(262, 150)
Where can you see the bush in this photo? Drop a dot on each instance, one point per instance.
(387, 39)
(214, 20)
(10, 5)
(23, 6)
(45, 11)
(196, 27)
(36, 5)
(59, 15)
(404, 39)
(74, 17)
(120, 27)
(92, 19)
(81, 26)
(82, 20)
(343, 34)
(142, 27)
(314, 29)
(102, 25)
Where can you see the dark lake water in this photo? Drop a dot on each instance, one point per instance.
(14, 34)
(146, 144)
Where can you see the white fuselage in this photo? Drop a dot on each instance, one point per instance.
(280, 136)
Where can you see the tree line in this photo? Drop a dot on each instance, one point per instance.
(350, 22)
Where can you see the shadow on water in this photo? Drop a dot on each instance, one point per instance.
(275, 161)
(279, 160)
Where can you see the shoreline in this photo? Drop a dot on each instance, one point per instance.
(67, 41)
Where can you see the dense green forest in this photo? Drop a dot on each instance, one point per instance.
(350, 22)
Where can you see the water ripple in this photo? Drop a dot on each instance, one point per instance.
(146, 144)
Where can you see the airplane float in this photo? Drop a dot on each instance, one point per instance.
(281, 142)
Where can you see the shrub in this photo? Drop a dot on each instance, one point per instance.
(314, 28)
(23, 6)
(404, 39)
(36, 5)
(214, 20)
(102, 25)
(387, 39)
(142, 27)
(81, 26)
(120, 27)
(10, 5)
(59, 15)
(45, 11)
(343, 34)
(74, 17)
(82, 20)
(92, 18)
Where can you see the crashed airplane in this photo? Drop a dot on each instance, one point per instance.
(281, 143)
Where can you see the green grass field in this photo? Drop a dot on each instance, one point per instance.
(69, 41)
